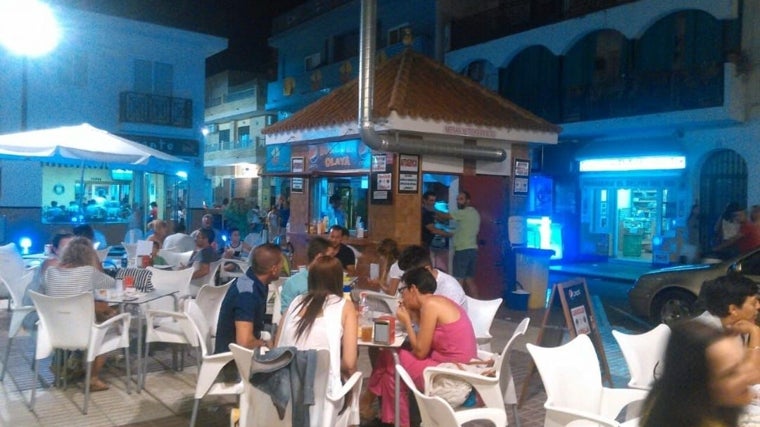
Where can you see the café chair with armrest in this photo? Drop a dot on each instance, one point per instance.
(209, 365)
(481, 314)
(644, 354)
(131, 251)
(208, 279)
(68, 323)
(209, 301)
(496, 390)
(435, 411)
(16, 287)
(574, 392)
(170, 280)
(175, 259)
(256, 408)
(103, 253)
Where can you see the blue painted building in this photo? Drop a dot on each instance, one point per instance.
(659, 103)
(138, 80)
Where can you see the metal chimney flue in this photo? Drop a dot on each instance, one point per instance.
(366, 98)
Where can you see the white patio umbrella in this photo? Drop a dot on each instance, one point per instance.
(86, 145)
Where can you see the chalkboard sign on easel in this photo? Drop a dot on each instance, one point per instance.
(570, 303)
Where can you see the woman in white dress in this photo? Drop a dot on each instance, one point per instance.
(322, 319)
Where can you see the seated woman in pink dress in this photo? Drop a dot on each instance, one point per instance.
(444, 334)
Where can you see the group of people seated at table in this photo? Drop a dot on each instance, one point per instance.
(315, 315)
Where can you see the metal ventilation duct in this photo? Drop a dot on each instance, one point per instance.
(366, 97)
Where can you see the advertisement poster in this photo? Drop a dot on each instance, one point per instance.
(580, 319)
(381, 179)
(407, 182)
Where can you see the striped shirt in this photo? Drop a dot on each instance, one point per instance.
(64, 282)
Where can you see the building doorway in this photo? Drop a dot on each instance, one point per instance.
(722, 180)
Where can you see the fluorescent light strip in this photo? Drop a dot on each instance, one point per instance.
(642, 163)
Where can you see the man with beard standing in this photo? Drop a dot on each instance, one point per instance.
(465, 241)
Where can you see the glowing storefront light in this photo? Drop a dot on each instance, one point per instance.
(633, 163)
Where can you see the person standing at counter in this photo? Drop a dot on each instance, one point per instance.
(345, 254)
(336, 215)
(465, 241)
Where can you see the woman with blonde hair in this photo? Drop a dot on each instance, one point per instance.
(160, 231)
(78, 271)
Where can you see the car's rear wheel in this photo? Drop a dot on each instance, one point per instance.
(673, 305)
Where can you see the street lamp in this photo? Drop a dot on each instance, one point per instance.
(28, 29)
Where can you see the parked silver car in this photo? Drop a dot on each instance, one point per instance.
(669, 294)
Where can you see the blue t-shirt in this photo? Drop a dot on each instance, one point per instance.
(296, 285)
(245, 301)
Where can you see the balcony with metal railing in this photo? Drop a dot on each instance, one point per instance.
(230, 152)
(146, 108)
(515, 16)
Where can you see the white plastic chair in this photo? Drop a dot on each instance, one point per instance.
(481, 314)
(16, 288)
(12, 265)
(175, 259)
(170, 280)
(574, 391)
(495, 391)
(256, 408)
(131, 250)
(68, 323)
(208, 279)
(209, 365)
(644, 354)
(209, 301)
(162, 327)
(435, 411)
(103, 253)
(133, 235)
(170, 327)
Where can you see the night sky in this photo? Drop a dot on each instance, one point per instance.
(246, 23)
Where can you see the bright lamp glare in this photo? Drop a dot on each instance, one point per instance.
(643, 163)
(182, 174)
(28, 27)
(25, 244)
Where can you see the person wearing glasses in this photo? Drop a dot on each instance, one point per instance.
(444, 334)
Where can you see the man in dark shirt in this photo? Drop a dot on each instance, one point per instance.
(428, 217)
(241, 317)
(345, 254)
(201, 259)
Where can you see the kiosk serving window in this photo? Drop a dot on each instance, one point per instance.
(342, 199)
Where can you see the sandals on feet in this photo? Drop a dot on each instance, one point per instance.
(98, 386)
